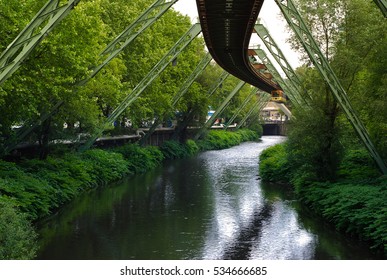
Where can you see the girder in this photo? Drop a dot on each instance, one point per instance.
(279, 57)
(227, 28)
(39, 27)
(189, 81)
(210, 92)
(257, 107)
(242, 106)
(145, 82)
(382, 4)
(218, 83)
(182, 91)
(321, 63)
(290, 91)
(145, 20)
(220, 109)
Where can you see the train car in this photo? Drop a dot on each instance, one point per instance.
(278, 96)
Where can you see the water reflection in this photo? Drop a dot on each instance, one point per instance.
(245, 224)
(209, 207)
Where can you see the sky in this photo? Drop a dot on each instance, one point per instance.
(271, 18)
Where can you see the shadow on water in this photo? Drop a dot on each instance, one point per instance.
(208, 207)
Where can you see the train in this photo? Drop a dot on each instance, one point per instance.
(278, 96)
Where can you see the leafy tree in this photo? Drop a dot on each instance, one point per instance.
(17, 237)
(351, 36)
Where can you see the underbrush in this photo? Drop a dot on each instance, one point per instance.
(222, 139)
(33, 189)
(356, 203)
(174, 149)
(359, 209)
(274, 165)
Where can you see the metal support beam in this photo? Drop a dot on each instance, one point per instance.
(40, 26)
(382, 4)
(280, 58)
(243, 105)
(183, 90)
(194, 75)
(153, 74)
(302, 32)
(257, 107)
(218, 83)
(210, 92)
(220, 109)
(290, 90)
(147, 19)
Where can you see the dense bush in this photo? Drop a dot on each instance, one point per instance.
(357, 209)
(17, 237)
(106, 166)
(274, 165)
(357, 165)
(140, 159)
(222, 139)
(37, 187)
(30, 194)
(355, 204)
(173, 149)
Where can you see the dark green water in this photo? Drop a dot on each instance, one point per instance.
(212, 206)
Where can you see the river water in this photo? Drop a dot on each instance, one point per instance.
(212, 206)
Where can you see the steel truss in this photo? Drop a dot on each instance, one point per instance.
(153, 74)
(183, 90)
(257, 107)
(382, 4)
(275, 51)
(302, 32)
(242, 106)
(290, 90)
(39, 27)
(220, 109)
(147, 19)
(210, 92)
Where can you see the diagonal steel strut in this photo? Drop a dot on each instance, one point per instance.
(153, 74)
(302, 32)
(39, 27)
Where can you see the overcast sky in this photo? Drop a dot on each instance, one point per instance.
(270, 17)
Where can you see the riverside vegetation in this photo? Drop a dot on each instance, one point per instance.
(355, 203)
(323, 158)
(32, 189)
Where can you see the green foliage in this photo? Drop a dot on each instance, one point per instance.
(17, 236)
(358, 209)
(222, 139)
(355, 205)
(174, 149)
(357, 165)
(30, 194)
(106, 166)
(273, 164)
(192, 147)
(140, 159)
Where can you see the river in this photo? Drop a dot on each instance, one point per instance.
(212, 206)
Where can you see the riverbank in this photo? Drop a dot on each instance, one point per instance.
(33, 189)
(355, 203)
